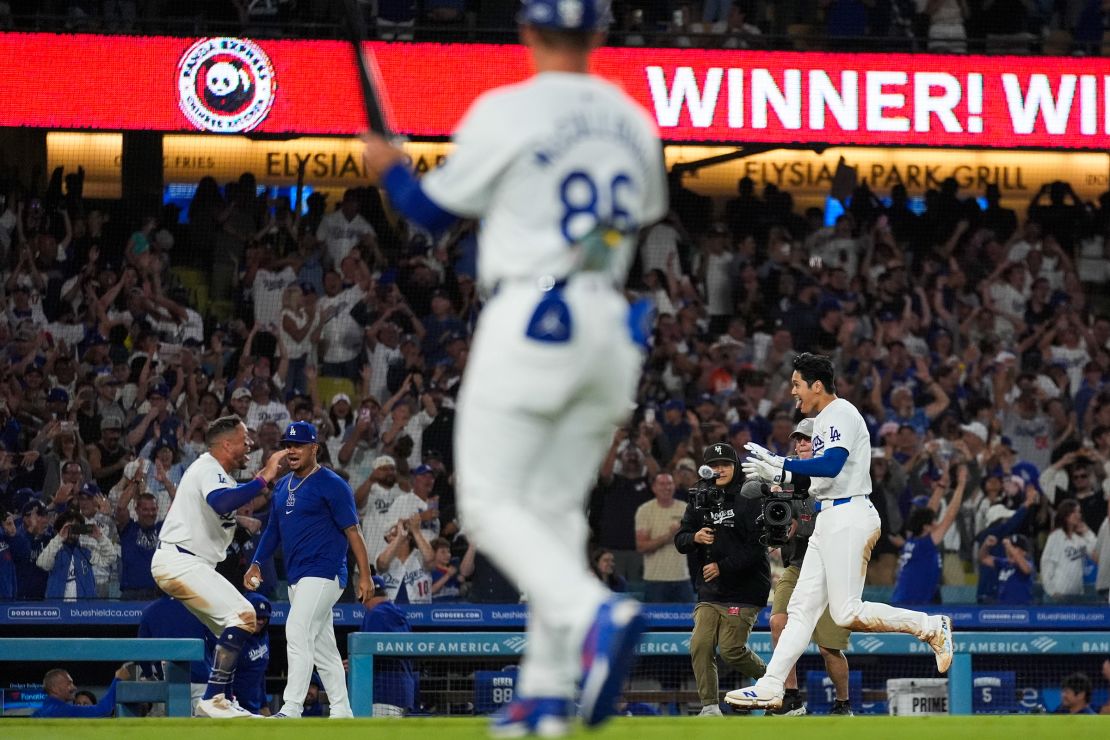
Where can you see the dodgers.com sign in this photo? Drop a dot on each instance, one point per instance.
(273, 86)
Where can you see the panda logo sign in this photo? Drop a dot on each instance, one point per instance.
(225, 85)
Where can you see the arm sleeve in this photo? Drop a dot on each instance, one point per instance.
(826, 465)
(341, 500)
(485, 144)
(269, 541)
(49, 553)
(227, 500)
(684, 537)
(407, 197)
(1007, 528)
(21, 547)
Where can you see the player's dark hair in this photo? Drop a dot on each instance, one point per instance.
(566, 40)
(816, 367)
(220, 427)
(1078, 683)
(919, 518)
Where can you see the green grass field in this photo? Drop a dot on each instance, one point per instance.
(642, 728)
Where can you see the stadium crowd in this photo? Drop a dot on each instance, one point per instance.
(976, 342)
(953, 26)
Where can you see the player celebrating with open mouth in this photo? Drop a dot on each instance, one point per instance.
(313, 517)
(847, 527)
(195, 537)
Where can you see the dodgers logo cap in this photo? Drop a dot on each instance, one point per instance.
(300, 432)
(566, 15)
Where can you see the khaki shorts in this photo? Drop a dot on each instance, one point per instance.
(827, 633)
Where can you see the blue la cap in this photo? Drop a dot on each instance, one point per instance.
(567, 15)
(423, 470)
(300, 432)
(262, 606)
(57, 394)
(379, 585)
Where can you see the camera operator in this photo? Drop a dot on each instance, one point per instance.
(720, 538)
(831, 638)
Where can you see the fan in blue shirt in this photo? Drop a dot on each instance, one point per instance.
(1014, 572)
(920, 562)
(60, 692)
(394, 678)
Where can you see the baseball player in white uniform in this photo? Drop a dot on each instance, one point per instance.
(564, 169)
(195, 537)
(847, 527)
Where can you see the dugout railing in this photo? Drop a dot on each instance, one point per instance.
(974, 682)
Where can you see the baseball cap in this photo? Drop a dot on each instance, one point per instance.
(567, 15)
(159, 389)
(37, 507)
(804, 429)
(384, 461)
(878, 453)
(720, 452)
(890, 427)
(111, 422)
(301, 432)
(998, 513)
(1020, 540)
(976, 428)
(674, 403)
(240, 393)
(688, 463)
(89, 489)
(423, 470)
(379, 585)
(340, 397)
(57, 394)
(262, 607)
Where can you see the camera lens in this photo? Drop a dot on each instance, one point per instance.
(777, 514)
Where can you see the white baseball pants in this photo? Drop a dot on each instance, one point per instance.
(832, 575)
(534, 421)
(196, 584)
(310, 640)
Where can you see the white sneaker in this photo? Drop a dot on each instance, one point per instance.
(754, 697)
(218, 707)
(251, 715)
(942, 644)
(711, 710)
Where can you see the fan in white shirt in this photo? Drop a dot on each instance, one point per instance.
(343, 229)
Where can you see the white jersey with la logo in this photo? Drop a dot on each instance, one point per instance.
(840, 425)
(191, 522)
(544, 162)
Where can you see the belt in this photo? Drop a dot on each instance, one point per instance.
(548, 283)
(179, 548)
(818, 505)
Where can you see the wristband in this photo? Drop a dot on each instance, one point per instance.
(263, 481)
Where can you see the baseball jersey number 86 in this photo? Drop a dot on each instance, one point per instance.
(580, 198)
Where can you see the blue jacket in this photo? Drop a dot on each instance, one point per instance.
(56, 708)
(394, 678)
(82, 569)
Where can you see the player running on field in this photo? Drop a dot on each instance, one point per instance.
(847, 527)
(313, 517)
(195, 537)
(563, 169)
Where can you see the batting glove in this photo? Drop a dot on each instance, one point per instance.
(756, 469)
(762, 453)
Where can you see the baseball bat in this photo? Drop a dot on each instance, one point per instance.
(356, 34)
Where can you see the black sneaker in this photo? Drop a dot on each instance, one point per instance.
(792, 706)
(841, 707)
